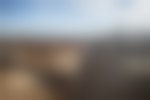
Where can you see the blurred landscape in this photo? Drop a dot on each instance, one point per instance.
(74, 50)
(111, 69)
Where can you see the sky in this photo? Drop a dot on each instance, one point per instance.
(73, 15)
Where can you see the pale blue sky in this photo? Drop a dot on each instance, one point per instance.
(71, 15)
